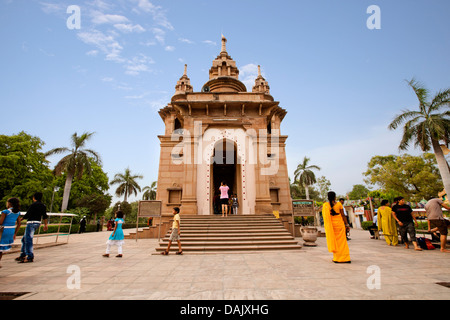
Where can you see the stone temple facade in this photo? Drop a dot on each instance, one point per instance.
(223, 133)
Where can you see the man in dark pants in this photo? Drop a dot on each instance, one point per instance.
(35, 213)
(437, 221)
(405, 219)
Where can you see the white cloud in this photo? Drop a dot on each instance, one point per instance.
(48, 54)
(169, 48)
(159, 35)
(158, 14)
(148, 43)
(138, 64)
(129, 28)
(106, 43)
(92, 53)
(158, 104)
(209, 42)
(248, 74)
(50, 8)
(101, 5)
(101, 18)
(184, 40)
(136, 97)
(107, 79)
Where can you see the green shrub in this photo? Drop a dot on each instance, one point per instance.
(366, 224)
(75, 228)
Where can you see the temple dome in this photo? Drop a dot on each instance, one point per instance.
(224, 75)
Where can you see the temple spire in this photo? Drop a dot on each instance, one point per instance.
(261, 85)
(184, 84)
(224, 44)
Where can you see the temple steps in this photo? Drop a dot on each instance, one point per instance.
(242, 233)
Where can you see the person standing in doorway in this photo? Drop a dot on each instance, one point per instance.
(224, 197)
(405, 219)
(234, 204)
(34, 215)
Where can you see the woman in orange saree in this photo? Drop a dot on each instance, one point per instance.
(336, 227)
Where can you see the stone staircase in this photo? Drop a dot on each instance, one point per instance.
(242, 233)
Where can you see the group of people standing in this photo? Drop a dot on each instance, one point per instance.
(226, 202)
(390, 218)
(11, 220)
(401, 214)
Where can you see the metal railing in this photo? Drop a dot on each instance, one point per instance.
(59, 223)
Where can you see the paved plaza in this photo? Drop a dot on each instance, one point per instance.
(306, 274)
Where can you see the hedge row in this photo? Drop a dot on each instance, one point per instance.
(421, 225)
(75, 228)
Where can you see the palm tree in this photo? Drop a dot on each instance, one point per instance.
(304, 176)
(427, 126)
(75, 163)
(294, 190)
(149, 192)
(127, 184)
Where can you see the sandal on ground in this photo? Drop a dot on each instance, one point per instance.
(105, 255)
(180, 252)
(26, 260)
(165, 253)
(119, 256)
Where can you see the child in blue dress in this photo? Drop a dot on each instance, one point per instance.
(9, 220)
(117, 237)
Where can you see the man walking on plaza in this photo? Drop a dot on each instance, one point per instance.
(436, 220)
(403, 214)
(35, 213)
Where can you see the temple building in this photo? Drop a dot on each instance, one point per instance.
(223, 133)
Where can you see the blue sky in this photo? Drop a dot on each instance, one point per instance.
(340, 82)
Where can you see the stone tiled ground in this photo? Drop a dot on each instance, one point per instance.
(305, 274)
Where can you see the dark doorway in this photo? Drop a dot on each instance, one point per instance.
(224, 164)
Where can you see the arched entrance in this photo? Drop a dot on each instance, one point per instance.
(225, 167)
(234, 167)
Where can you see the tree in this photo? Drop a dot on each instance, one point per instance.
(75, 163)
(299, 192)
(125, 207)
(149, 192)
(24, 169)
(95, 203)
(94, 183)
(295, 190)
(413, 177)
(324, 186)
(304, 175)
(359, 191)
(127, 184)
(428, 126)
